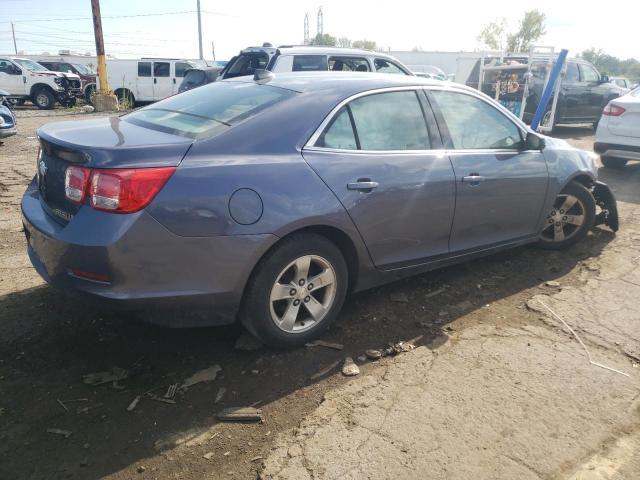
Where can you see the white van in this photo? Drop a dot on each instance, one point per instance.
(147, 79)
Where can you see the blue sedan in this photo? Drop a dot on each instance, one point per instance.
(7, 118)
(268, 199)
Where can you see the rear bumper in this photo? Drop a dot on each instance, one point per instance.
(142, 266)
(7, 132)
(629, 152)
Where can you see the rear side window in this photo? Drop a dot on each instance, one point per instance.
(348, 64)
(474, 124)
(309, 63)
(572, 75)
(208, 110)
(339, 134)
(385, 66)
(181, 67)
(161, 69)
(144, 69)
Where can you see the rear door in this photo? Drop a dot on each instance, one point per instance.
(572, 100)
(144, 82)
(597, 92)
(384, 164)
(162, 84)
(500, 187)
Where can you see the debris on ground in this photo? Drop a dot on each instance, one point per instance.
(436, 292)
(322, 343)
(533, 304)
(552, 284)
(362, 358)
(202, 376)
(247, 342)
(134, 403)
(112, 376)
(86, 408)
(240, 414)
(87, 109)
(349, 367)
(208, 455)
(171, 391)
(84, 462)
(399, 347)
(62, 404)
(220, 394)
(255, 459)
(57, 431)
(155, 397)
(373, 354)
(141, 469)
(399, 297)
(325, 370)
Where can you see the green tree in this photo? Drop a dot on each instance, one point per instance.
(344, 42)
(530, 29)
(365, 44)
(492, 35)
(324, 39)
(610, 65)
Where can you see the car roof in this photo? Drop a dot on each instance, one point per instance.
(346, 83)
(317, 50)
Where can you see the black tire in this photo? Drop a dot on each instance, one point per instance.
(612, 162)
(125, 95)
(71, 102)
(88, 93)
(255, 311)
(44, 99)
(586, 202)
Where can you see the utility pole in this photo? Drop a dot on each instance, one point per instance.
(200, 31)
(213, 51)
(320, 22)
(13, 31)
(306, 28)
(104, 99)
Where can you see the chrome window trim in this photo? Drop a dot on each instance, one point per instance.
(310, 145)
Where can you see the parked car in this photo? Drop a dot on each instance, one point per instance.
(290, 58)
(147, 79)
(269, 198)
(196, 77)
(7, 118)
(622, 82)
(618, 134)
(25, 79)
(86, 74)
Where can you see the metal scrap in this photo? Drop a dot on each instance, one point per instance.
(240, 414)
(322, 343)
(134, 403)
(58, 431)
(112, 376)
(201, 376)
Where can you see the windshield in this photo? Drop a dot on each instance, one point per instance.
(246, 64)
(83, 69)
(30, 65)
(209, 110)
(636, 92)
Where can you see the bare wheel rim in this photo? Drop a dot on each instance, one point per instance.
(303, 294)
(42, 99)
(565, 218)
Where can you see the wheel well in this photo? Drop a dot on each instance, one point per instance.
(583, 179)
(123, 91)
(39, 86)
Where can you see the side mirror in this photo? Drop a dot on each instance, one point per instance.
(533, 142)
(604, 79)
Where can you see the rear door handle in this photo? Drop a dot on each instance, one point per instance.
(363, 184)
(473, 179)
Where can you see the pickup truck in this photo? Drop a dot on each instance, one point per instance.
(25, 79)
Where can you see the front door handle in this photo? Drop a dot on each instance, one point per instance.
(473, 179)
(363, 185)
(155, 80)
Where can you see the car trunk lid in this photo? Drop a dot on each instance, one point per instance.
(627, 124)
(100, 143)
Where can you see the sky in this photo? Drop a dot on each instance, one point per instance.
(164, 28)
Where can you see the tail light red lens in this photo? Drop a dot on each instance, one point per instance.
(75, 183)
(117, 190)
(613, 110)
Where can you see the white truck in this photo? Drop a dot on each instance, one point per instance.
(25, 79)
(146, 79)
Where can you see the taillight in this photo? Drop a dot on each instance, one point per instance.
(75, 183)
(116, 190)
(613, 110)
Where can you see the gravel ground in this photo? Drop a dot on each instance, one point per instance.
(49, 341)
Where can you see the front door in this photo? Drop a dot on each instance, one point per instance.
(376, 155)
(11, 78)
(501, 188)
(162, 84)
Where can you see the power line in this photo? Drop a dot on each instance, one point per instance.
(158, 14)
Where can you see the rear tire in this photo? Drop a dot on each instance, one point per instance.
(43, 99)
(572, 216)
(612, 162)
(282, 306)
(126, 97)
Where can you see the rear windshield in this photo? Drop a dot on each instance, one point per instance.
(194, 76)
(247, 64)
(209, 110)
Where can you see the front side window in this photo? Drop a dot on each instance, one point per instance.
(348, 64)
(144, 69)
(385, 66)
(209, 110)
(247, 64)
(161, 69)
(181, 67)
(382, 121)
(309, 63)
(474, 124)
(589, 74)
(6, 66)
(339, 134)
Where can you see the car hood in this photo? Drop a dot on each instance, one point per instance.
(114, 143)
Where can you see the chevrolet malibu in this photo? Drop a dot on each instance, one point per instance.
(268, 199)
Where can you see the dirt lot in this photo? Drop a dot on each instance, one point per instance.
(444, 410)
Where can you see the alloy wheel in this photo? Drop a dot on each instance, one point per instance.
(565, 219)
(303, 294)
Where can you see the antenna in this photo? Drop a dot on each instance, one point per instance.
(320, 29)
(306, 28)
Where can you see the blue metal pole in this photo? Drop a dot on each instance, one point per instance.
(548, 91)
